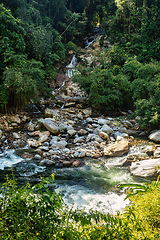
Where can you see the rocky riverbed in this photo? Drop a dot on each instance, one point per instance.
(64, 137)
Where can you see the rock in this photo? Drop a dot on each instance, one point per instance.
(81, 154)
(106, 129)
(33, 143)
(79, 116)
(150, 150)
(66, 163)
(54, 140)
(16, 136)
(79, 140)
(82, 132)
(60, 144)
(31, 127)
(43, 139)
(76, 163)
(102, 121)
(0, 134)
(89, 120)
(36, 133)
(71, 132)
(51, 113)
(146, 168)
(155, 136)
(62, 127)
(45, 133)
(37, 156)
(15, 119)
(93, 137)
(47, 162)
(44, 148)
(87, 112)
(157, 152)
(52, 127)
(104, 136)
(127, 124)
(117, 149)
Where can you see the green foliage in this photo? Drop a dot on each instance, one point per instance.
(39, 213)
(105, 90)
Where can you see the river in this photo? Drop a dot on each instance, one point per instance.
(92, 186)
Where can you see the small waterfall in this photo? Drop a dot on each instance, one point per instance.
(70, 71)
(87, 43)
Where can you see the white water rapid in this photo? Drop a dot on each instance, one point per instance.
(71, 70)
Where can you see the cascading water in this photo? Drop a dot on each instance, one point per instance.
(71, 70)
(92, 186)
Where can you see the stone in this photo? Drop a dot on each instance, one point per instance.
(104, 136)
(79, 116)
(81, 154)
(66, 163)
(79, 140)
(62, 127)
(33, 143)
(51, 113)
(45, 133)
(89, 120)
(71, 132)
(16, 136)
(147, 168)
(102, 121)
(87, 112)
(43, 139)
(106, 129)
(60, 144)
(36, 133)
(82, 132)
(76, 163)
(31, 127)
(37, 156)
(93, 137)
(15, 119)
(52, 127)
(117, 149)
(0, 134)
(155, 136)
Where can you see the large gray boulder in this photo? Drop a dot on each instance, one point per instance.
(155, 136)
(146, 168)
(51, 126)
(106, 129)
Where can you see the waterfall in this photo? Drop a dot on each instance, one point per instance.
(70, 71)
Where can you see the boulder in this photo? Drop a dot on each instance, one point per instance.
(155, 136)
(146, 168)
(102, 121)
(16, 119)
(51, 113)
(71, 132)
(117, 149)
(60, 144)
(87, 112)
(104, 136)
(51, 126)
(82, 132)
(16, 136)
(43, 138)
(106, 129)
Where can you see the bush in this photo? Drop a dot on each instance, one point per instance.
(39, 213)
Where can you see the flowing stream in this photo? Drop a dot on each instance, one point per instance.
(92, 186)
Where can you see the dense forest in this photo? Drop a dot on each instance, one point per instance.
(36, 36)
